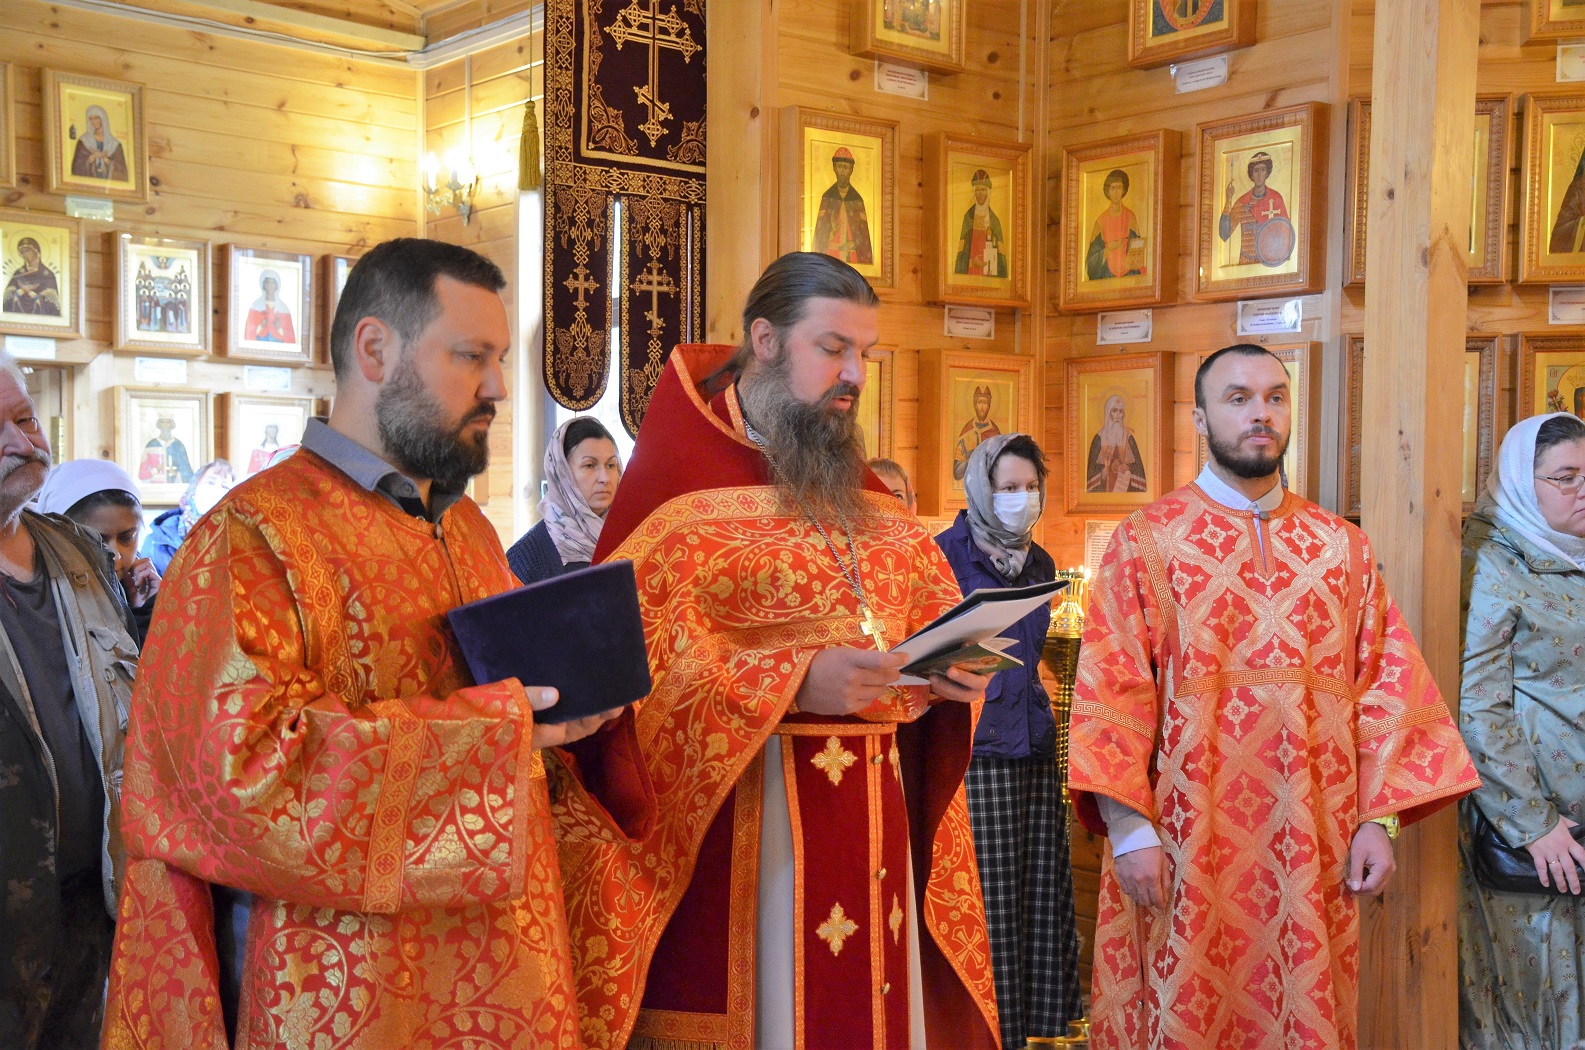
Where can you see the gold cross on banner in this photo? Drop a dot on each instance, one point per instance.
(657, 282)
(580, 284)
(646, 25)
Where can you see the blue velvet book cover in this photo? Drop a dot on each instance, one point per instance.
(579, 632)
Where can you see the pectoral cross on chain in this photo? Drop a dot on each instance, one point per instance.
(872, 628)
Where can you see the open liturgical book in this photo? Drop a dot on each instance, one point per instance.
(965, 635)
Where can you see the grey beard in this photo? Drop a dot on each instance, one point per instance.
(12, 505)
(818, 455)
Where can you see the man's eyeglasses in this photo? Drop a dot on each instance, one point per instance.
(1568, 484)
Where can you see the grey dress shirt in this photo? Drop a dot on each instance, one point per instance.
(375, 474)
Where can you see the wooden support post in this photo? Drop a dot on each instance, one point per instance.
(741, 184)
(1421, 142)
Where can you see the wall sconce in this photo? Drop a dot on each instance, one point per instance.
(453, 182)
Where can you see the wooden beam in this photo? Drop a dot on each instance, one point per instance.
(299, 25)
(1421, 137)
(741, 182)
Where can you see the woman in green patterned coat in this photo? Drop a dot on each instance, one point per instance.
(1522, 982)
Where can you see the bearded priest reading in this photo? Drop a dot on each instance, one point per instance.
(1251, 723)
(810, 881)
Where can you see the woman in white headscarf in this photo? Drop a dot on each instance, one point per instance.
(99, 154)
(582, 470)
(1522, 713)
(100, 496)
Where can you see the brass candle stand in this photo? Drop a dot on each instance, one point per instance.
(1060, 654)
(1061, 657)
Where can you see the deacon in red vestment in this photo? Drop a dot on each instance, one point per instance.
(338, 840)
(811, 879)
(1251, 721)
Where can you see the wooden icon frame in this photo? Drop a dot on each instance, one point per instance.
(1539, 352)
(133, 404)
(1488, 263)
(333, 278)
(1235, 29)
(1539, 223)
(246, 268)
(950, 161)
(1159, 152)
(1489, 353)
(126, 98)
(8, 129)
(60, 240)
(1541, 24)
(869, 38)
(808, 139)
(1145, 382)
(947, 379)
(878, 403)
(128, 335)
(1300, 134)
(232, 416)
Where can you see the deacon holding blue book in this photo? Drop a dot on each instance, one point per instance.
(337, 835)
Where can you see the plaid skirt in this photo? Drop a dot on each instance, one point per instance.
(1026, 874)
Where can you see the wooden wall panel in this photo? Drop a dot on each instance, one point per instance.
(996, 96)
(445, 20)
(1298, 57)
(402, 16)
(1505, 65)
(477, 103)
(249, 142)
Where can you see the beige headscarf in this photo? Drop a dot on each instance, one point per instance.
(573, 525)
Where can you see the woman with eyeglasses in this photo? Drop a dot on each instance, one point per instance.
(1522, 983)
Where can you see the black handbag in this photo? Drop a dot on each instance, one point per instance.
(1510, 869)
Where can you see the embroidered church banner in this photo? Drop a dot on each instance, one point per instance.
(624, 176)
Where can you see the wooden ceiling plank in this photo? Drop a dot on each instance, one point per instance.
(302, 25)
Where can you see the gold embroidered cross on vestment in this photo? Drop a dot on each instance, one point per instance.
(834, 760)
(836, 929)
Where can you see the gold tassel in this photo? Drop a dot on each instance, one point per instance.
(528, 174)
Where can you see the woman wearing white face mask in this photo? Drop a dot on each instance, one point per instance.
(1013, 784)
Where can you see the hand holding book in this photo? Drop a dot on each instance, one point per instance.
(966, 633)
(579, 633)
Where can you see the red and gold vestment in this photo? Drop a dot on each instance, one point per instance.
(1256, 707)
(304, 729)
(738, 596)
